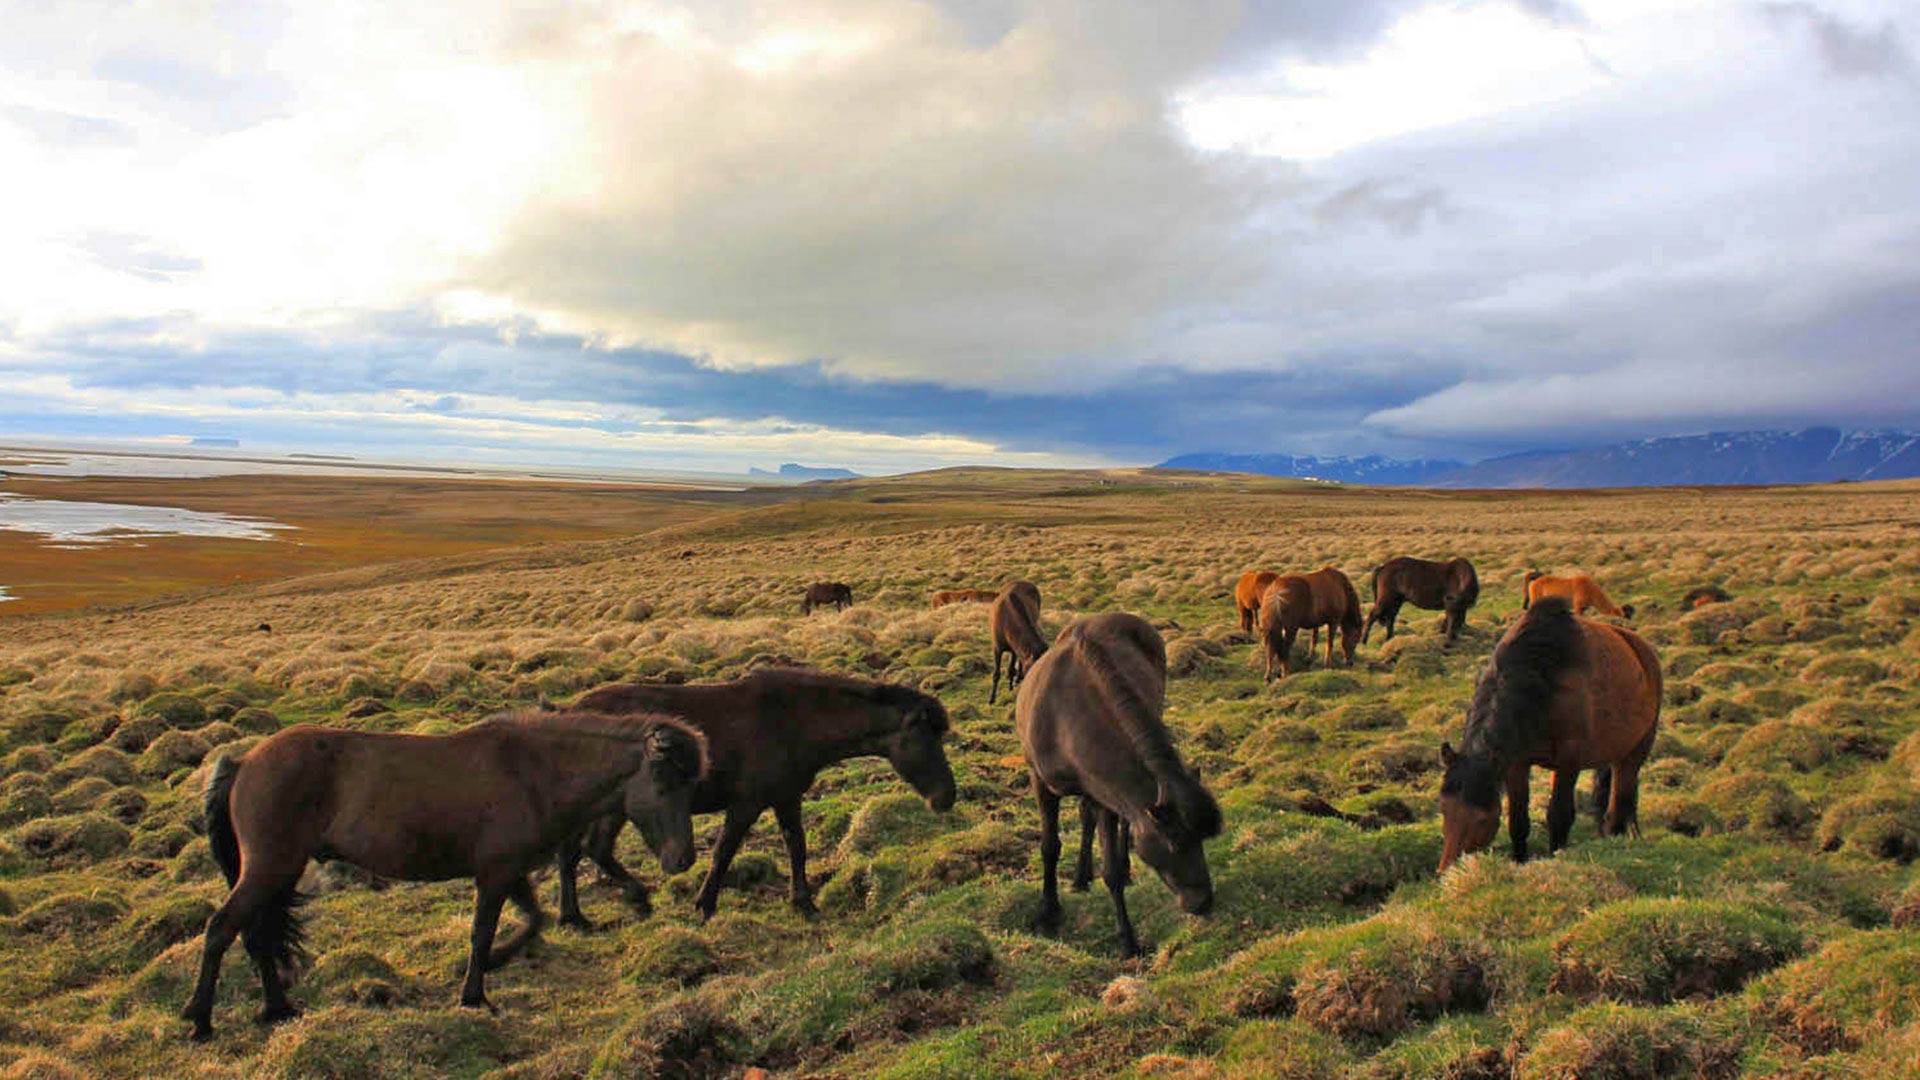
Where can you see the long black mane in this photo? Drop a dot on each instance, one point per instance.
(1508, 715)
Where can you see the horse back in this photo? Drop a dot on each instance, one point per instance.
(1073, 714)
(1612, 703)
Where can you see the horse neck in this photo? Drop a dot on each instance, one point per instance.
(838, 728)
(585, 766)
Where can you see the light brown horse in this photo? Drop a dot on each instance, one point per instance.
(487, 803)
(1450, 586)
(1246, 596)
(1581, 591)
(1015, 622)
(963, 596)
(1089, 724)
(768, 735)
(1563, 693)
(1296, 602)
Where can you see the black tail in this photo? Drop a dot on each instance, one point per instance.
(277, 935)
(219, 817)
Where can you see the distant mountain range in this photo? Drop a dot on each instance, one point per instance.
(1813, 455)
(802, 473)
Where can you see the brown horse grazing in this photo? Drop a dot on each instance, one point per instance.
(963, 596)
(1564, 693)
(1580, 590)
(487, 802)
(1449, 586)
(823, 593)
(1246, 596)
(1089, 723)
(1015, 622)
(1295, 602)
(1702, 595)
(768, 735)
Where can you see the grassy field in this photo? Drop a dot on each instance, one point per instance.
(1767, 923)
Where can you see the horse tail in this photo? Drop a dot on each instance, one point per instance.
(219, 816)
(1526, 590)
(1138, 717)
(1373, 583)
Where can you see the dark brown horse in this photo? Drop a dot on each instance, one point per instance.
(768, 735)
(1564, 693)
(1089, 724)
(1296, 602)
(1015, 622)
(1702, 595)
(1246, 596)
(488, 803)
(1449, 586)
(1581, 591)
(836, 594)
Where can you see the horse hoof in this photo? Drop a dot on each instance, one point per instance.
(807, 910)
(480, 1002)
(202, 1031)
(581, 923)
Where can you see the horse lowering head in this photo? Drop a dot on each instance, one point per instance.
(1469, 804)
(659, 797)
(1172, 838)
(915, 748)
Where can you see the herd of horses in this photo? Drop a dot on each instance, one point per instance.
(496, 800)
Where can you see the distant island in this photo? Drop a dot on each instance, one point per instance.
(793, 473)
(1808, 456)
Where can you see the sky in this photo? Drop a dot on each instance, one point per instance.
(896, 234)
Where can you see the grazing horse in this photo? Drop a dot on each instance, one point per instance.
(1564, 693)
(1449, 586)
(1702, 595)
(488, 803)
(1015, 622)
(963, 596)
(838, 594)
(1089, 723)
(1580, 590)
(1296, 602)
(768, 735)
(1246, 596)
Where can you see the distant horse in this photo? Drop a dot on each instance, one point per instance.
(963, 596)
(1015, 622)
(1580, 590)
(823, 593)
(487, 802)
(768, 735)
(1702, 595)
(1449, 586)
(1089, 723)
(1246, 596)
(1296, 602)
(1564, 693)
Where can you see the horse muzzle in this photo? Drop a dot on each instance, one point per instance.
(1196, 902)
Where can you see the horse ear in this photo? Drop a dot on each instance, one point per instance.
(1447, 756)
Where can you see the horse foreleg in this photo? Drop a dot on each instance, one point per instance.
(602, 836)
(1560, 811)
(1049, 854)
(1089, 821)
(1602, 789)
(1330, 636)
(566, 867)
(794, 831)
(521, 893)
(1517, 799)
(994, 693)
(733, 833)
(486, 920)
(1113, 851)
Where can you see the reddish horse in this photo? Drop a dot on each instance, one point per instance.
(962, 596)
(1246, 596)
(1296, 602)
(1563, 693)
(1702, 595)
(1580, 590)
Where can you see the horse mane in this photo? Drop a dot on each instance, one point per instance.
(686, 743)
(1139, 719)
(1022, 627)
(1518, 683)
(903, 698)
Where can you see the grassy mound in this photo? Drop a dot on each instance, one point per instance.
(1661, 950)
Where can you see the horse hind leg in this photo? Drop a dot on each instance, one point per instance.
(253, 894)
(1113, 851)
(994, 694)
(602, 835)
(1602, 787)
(1561, 812)
(1049, 919)
(487, 899)
(1623, 814)
(1083, 867)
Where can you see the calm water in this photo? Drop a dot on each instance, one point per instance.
(62, 523)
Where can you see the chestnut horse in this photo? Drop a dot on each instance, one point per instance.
(963, 596)
(487, 802)
(1580, 590)
(768, 735)
(1089, 723)
(1449, 586)
(1564, 693)
(1015, 622)
(1246, 596)
(1296, 602)
(838, 594)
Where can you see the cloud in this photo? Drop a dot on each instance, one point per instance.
(1849, 51)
